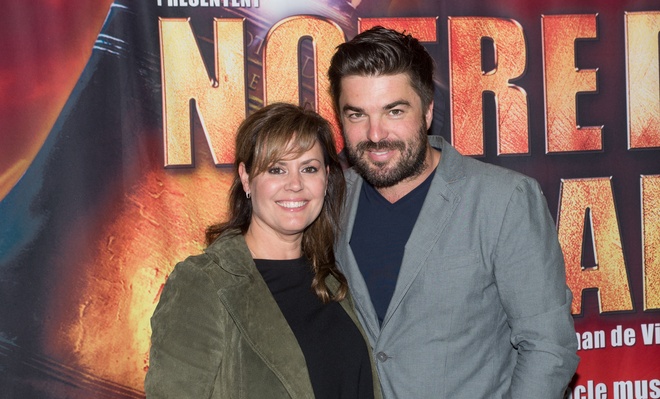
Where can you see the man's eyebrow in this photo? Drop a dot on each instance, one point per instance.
(352, 108)
(389, 106)
(396, 104)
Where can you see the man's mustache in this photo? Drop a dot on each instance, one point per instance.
(380, 146)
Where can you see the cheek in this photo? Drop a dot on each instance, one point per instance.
(317, 186)
(408, 130)
(264, 188)
(353, 134)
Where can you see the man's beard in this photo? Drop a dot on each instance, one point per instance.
(410, 164)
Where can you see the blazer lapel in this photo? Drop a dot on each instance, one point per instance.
(439, 205)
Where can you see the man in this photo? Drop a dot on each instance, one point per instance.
(454, 264)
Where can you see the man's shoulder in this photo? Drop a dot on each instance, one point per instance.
(491, 171)
(457, 165)
(467, 174)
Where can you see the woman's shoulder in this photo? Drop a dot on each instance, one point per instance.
(227, 256)
(229, 251)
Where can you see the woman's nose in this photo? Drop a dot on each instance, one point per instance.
(294, 182)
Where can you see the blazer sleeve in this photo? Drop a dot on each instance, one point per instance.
(531, 279)
(186, 338)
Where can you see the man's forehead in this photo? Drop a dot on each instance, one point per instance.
(387, 89)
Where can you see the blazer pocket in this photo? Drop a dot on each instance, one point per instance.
(458, 260)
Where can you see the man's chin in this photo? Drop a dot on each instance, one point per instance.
(378, 171)
(378, 178)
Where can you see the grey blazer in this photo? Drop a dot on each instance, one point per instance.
(481, 308)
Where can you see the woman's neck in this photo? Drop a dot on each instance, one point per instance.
(273, 246)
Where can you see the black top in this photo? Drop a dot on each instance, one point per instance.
(335, 351)
(379, 238)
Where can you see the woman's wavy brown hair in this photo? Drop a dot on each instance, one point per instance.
(273, 133)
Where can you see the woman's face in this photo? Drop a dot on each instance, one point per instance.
(289, 195)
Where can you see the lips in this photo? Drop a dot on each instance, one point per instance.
(379, 152)
(291, 204)
(381, 156)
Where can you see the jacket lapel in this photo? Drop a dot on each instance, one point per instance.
(260, 321)
(440, 203)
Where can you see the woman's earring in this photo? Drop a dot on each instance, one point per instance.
(247, 195)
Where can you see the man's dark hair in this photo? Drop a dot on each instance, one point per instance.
(381, 51)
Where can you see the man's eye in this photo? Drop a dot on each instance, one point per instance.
(355, 115)
(396, 112)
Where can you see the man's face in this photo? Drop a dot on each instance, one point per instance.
(384, 128)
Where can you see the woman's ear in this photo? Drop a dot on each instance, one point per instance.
(245, 177)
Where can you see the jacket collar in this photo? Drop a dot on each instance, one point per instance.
(451, 167)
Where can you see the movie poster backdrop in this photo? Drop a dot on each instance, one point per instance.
(116, 140)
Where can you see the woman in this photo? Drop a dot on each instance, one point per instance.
(264, 312)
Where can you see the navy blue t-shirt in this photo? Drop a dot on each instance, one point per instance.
(379, 238)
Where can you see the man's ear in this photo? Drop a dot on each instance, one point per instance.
(429, 115)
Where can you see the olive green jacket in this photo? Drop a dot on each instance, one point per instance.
(218, 332)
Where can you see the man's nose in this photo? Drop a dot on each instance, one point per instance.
(376, 131)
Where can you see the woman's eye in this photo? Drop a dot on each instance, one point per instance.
(275, 170)
(310, 169)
